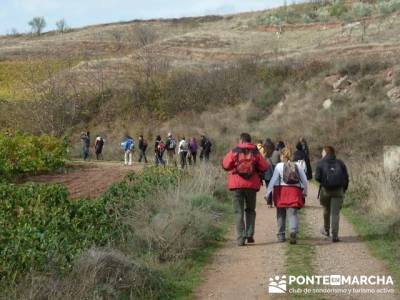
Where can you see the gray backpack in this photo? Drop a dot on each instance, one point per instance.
(290, 173)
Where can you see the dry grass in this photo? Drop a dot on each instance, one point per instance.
(378, 190)
(182, 218)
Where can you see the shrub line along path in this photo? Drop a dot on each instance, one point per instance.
(243, 272)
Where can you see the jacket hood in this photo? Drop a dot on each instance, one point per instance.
(249, 146)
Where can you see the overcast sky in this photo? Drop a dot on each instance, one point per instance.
(17, 13)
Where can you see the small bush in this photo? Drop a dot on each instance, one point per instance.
(376, 110)
(22, 154)
(338, 8)
(273, 96)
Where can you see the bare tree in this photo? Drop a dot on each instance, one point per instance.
(37, 24)
(363, 11)
(61, 26)
(14, 32)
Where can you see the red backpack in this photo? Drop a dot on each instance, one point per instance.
(245, 165)
(161, 146)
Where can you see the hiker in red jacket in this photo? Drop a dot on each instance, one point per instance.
(245, 164)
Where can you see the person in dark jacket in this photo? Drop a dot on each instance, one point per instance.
(159, 149)
(299, 154)
(269, 147)
(244, 180)
(300, 157)
(276, 154)
(98, 147)
(269, 151)
(333, 177)
(142, 149)
(306, 150)
(85, 138)
(205, 145)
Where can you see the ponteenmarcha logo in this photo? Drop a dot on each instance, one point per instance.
(277, 285)
(374, 283)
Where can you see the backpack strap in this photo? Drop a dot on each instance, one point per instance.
(243, 150)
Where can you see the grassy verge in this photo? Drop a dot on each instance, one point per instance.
(383, 240)
(372, 208)
(300, 258)
(185, 277)
(150, 238)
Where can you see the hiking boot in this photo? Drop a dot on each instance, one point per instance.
(250, 240)
(335, 239)
(281, 238)
(241, 242)
(325, 232)
(293, 239)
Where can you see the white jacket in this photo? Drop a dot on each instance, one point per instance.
(277, 178)
(181, 143)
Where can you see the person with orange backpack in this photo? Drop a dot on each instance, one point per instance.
(289, 190)
(245, 165)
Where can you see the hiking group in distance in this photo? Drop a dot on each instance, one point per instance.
(186, 150)
(286, 175)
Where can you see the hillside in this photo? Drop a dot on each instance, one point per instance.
(328, 71)
(172, 70)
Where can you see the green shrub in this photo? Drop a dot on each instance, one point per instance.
(42, 228)
(362, 10)
(338, 8)
(28, 154)
(272, 96)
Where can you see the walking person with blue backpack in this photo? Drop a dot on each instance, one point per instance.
(245, 165)
(128, 145)
(333, 177)
(288, 186)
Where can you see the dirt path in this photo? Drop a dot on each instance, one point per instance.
(348, 257)
(243, 272)
(89, 179)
